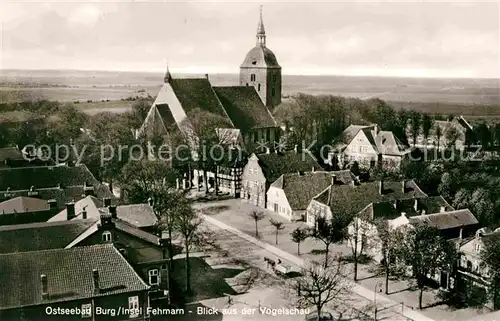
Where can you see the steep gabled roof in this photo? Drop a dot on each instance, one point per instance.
(383, 142)
(69, 274)
(244, 107)
(446, 220)
(276, 164)
(389, 210)
(23, 204)
(355, 198)
(41, 236)
(89, 203)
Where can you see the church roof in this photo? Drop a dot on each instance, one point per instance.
(260, 57)
(244, 107)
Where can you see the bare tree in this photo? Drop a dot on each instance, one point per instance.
(358, 240)
(299, 235)
(390, 248)
(256, 216)
(319, 286)
(278, 226)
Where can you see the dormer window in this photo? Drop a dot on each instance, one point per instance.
(106, 236)
(478, 247)
(153, 277)
(252, 77)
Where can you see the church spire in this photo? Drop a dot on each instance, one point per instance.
(261, 32)
(167, 77)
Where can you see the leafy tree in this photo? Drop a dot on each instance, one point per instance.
(490, 255)
(451, 136)
(391, 241)
(415, 125)
(256, 216)
(446, 186)
(482, 206)
(427, 123)
(318, 286)
(278, 226)
(332, 231)
(427, 253)
(299, 235)
(439, 134)
(483, 135)
(462, 199)
(496, 134)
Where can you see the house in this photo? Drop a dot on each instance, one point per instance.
(23, 209)
(36, 284)
(14, 157)
(263, 169)
(443, 132)
(370, 147)
(291, 193)
(355, 197)
(61, 184)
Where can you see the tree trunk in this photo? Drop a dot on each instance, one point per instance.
(190, 176)
(216, 176)
(298, 248)
(256, 229)
(387, 279)
(276, 236)
(420, 298)
(318, 309)
(326, 255)
(188, 270)
(355, 266)
(205, 181)
(111, 185)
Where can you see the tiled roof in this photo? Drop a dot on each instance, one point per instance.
(69, 275)
(41, 236)
(23, 204)
(28, 217)
(89, 203)
(134, 231)
(355, 198)
(301, 188)
(392, 209)
(244, 107)
(45, 176)
(383, 142)
(276, 164)
(446, 220)
(139, 215)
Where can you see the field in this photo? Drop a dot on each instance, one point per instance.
(101, 90)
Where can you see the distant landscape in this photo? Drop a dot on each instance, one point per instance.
(97, 91)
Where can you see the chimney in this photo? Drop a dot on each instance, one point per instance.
(268, 151)
(403, 214)
(296, 148)
(460, 235)
(84, 214)
(70, 211)
(206, 76)
(150, 201)
(45, 287)
(112, 211)
(88, 189)
(95, 276)
(395, 204)
(52, 203)
(105, 220)
(107, 202)
(442, 209)
(32, 191)
(312, 169)
(381, 187)
(403, 186)
(334, 179)
(375, 129)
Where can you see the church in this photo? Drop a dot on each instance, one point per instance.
(246, 107)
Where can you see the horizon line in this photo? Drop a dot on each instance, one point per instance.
(235, 73)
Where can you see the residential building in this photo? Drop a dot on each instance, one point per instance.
(291, 193)
(263, 169)
(370, 147)
(23, 209)
(84, 278)
(442, 132)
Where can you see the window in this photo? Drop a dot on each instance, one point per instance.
(106, 236)
(153, 277)
(252, 77)
(86, 310)
(478, 247)
(274, 79)
(258, 87)
(133, 306)
(273, 92)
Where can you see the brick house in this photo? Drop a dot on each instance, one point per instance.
(263, 169)
(85, 278)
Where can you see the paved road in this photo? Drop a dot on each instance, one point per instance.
(256, 250)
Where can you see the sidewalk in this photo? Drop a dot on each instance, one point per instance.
(360, 290)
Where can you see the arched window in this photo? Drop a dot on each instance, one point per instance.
(274, 78)
(106, 236)
(273, 92)
(252, 77)
(153, 275)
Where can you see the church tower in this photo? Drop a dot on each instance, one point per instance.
(261, 70)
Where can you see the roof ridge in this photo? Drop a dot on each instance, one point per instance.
(103, 245)
(43, 224)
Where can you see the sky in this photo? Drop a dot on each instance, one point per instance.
(407, 39)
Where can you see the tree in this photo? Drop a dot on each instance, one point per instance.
(490, 255)
(462, 199)
(391, 240)
(278, 226)
(427, 123)
(299, 235)
(188, 223)
(140, 179)
(427, 253)
(482, 135)
(332, 231)
(482, 206)
(496, 134)
(318, 286)
(439, 134)
(358, 240)
(257, 216)
(446, 186)
(415, 124)
(451, 136)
